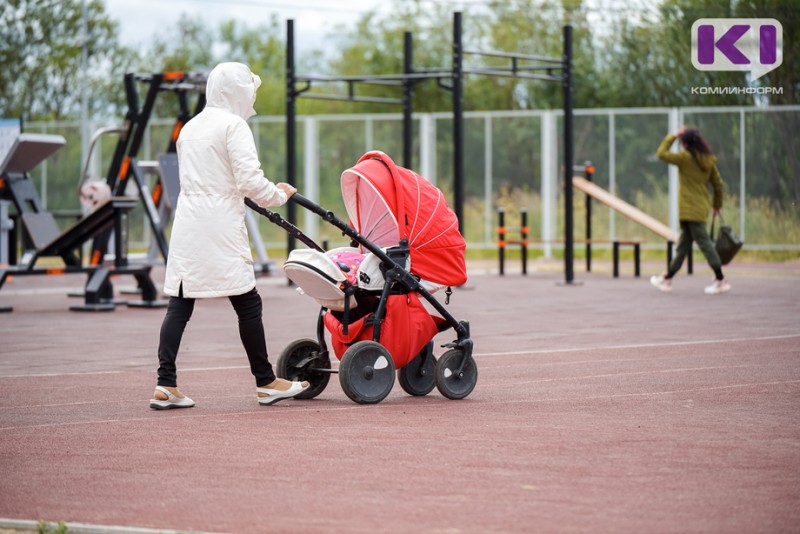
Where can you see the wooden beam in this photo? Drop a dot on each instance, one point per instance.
(620, 206)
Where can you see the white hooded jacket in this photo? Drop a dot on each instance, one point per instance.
(209, 250)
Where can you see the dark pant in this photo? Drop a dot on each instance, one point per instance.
(695, 231)
(251, 330)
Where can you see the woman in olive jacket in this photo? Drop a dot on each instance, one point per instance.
(697, 166)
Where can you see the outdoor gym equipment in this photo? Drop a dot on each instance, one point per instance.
(42, 236)
(106, 197)
(586, 185)
(633, 213)
(543, 68)
(503, 242)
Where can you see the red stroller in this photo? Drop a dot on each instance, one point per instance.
(405, 245)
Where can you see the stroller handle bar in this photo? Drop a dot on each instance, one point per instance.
(291, 229)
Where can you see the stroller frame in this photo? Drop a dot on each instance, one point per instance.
(458, 375)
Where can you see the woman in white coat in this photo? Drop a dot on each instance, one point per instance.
(209, 253)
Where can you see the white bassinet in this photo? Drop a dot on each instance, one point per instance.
(324, 277)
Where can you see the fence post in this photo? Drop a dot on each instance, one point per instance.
(311, 173)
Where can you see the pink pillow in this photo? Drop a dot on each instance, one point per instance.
(348, 262)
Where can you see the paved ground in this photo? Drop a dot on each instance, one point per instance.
(601, 407)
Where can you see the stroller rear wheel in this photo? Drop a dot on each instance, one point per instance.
(452, 384)
(366, 372)
(418, 377)
(302, 360)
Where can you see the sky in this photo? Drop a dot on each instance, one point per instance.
(141, 19)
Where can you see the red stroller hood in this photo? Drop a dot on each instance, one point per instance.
(386, 203)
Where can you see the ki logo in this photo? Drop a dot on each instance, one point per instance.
(754, 45)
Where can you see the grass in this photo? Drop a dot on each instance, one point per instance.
(766, 223)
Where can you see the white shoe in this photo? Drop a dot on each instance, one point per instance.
(719, 286)
(171, 402)
(277, 395)
(661, 283)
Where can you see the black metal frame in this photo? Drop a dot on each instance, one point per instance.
(588, 171)
(98, 291)
(125, 163)
(99, 225)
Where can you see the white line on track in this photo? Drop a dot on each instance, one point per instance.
(477, 355)
(319, 409)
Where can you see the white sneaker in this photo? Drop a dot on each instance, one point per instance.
(661, 283)
(719, 286)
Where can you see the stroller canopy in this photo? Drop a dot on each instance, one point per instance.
(387, 203)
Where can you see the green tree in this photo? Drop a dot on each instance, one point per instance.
(40, 58)
(646, 61)
(787, 76)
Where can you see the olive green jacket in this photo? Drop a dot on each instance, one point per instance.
(693, 178)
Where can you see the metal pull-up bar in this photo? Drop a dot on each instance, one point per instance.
(520, 67)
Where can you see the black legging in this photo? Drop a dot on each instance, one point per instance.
(251, 330)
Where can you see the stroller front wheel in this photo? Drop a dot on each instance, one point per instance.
(452, 384)
(366, 372)
(301, 360)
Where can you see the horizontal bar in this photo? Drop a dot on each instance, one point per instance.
(372, 99)
(323, 370)
(506, 74)
(519, 68)
(376, 78)
(514, 55)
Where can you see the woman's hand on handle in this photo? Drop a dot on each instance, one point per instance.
(286, 188)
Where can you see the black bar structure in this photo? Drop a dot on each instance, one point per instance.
(458, 122)
(569, 273)
(517, 69)
(503, 241)
(291, 119)
(408, 96)
(588, 172)
(124, 163)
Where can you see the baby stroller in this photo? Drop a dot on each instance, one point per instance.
(405, 245)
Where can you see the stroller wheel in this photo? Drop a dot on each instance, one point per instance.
(451, 384)
(366, 372)
(418, 377)
(300, 361)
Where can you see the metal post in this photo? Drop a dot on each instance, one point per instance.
(84, 82)
(588, 172)
(501, 239)
(524, 241)
(291, 147)
(408, 94)
(569, 274)
(458, 123)
(6, 227)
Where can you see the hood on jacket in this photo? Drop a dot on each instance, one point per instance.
(232, 86)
